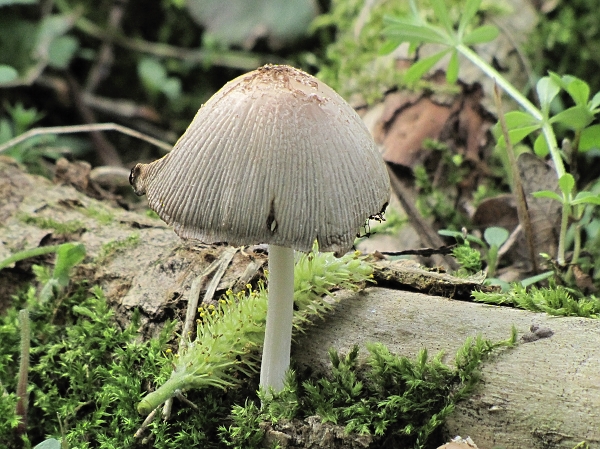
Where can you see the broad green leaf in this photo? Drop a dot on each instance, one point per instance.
(595, 101)
(469, 11)
(517, 134)
(519, 119)
(547, 89)
(419, 68)
(576, 117)
(537, 278)
(452, 68)
(590, 138)
(50, 28)
(548, 194)
(441, 13)
(7, 73)
(495, 236)
(586, 198)
(152, 73)
(67, 256)
(579, 91)
(61, 51)
(540, 146)
(479, 35)
(422, 34)
(566, 183)
(389, 46)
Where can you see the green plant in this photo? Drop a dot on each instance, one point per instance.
(557, 300)
(416, 31)
(400, 399)
(229, 338)
(469, 258)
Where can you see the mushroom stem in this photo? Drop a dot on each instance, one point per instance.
(280, 311)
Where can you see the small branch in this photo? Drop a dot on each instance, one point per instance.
(228, 58)
(84, 129)
(23, 400)
(103, 64)
(105, 150)
(522, 211)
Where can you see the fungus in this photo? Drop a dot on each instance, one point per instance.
(277, 157)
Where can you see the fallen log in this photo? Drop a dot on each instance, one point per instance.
(541, 394)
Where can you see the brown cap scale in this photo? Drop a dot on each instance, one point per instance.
(278, 157)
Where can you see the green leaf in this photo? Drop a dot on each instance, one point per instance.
(61, 51)
(67, 256)
(7, 73)
(452, 68)
(566, 183)
(419, 68)
(388, 46)
(579, 91)
(441, 13)
(469, 11)
(590, 138)
(517, 134)
(540, 146)
(547, 89)
(479, 35)
(576, 117)
(495, 236)
(548, 194)
(586, 198)
(420, 34)
(594, 102)
(519, 119)
(537, 278)
(50, 28)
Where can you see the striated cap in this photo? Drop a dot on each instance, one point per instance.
(275, 156)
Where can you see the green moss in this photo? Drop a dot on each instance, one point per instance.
(98, 213)
(109, 249)
(557, 300)
(400, 401)
(63, 228)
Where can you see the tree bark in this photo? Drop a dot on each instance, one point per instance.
(541, 394)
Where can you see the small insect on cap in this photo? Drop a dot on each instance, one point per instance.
(275, 156)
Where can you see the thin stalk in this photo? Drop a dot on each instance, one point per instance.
(522, 211)
(26, 254)
(547, 130)
(280, 313)
(23, 400)
(564, 224)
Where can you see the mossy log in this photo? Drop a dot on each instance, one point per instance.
(541, 394)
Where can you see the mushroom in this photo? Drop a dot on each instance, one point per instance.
(277, 157)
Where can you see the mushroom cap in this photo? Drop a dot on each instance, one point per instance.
(275, 156)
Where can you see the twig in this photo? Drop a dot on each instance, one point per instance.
(427, 236)
(145, 424)
(22, 396)
(84, 129)
(105, 150)
(233, 59)
(220, 265)
(522, 211)
(103, 64)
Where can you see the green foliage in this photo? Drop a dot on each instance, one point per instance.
(468, 258)
(112, 247)
(229, 338)
(61, 228)
(557, 300)
(352, 63)
(565, 40)
(395, 398)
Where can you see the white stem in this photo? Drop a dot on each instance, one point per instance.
(280, 311)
